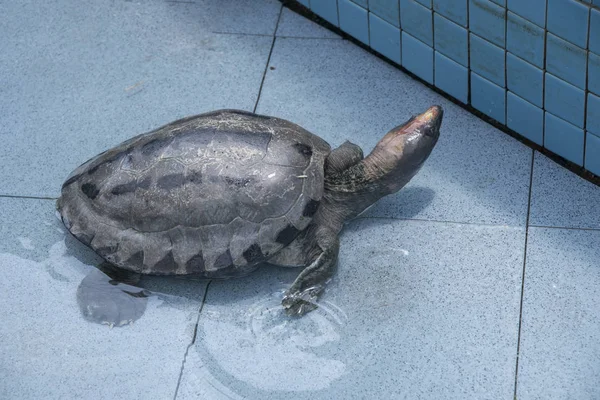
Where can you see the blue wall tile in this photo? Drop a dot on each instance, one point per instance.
(426, 3)
(593, 114)
(417, 21)
(305, 3)
(326, 9)
(566, 60)
(362, 3)
(565, 100)
(487, 60)
(594, 73)
(525, 80)
(487, 20)
(387, 10)
(417, 57)
(451, 77)
(488, 98)
(569, 20)
(532, 10)
(354, 20)
(525, 118)
(455, 10)
(592, 153)
(564, 139)
(451, 39)
(525, 39)
(385, 38)
(594, 42)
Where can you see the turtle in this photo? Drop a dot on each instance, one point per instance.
(218, 194)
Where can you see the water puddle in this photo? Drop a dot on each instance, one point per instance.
(257, 348)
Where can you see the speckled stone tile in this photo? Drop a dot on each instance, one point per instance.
(49, 351)
(562, 199)
(417, 310)
(560, 333)
(295, 25)
(338, 91)
(79, 79)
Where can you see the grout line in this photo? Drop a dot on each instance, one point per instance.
(262, 82)
(586, 91)
(523, 273)
(468, 52)
(307, 37)
(192, 342)
(565, 228)
(505, 65)
(242, 34)
(10, 196)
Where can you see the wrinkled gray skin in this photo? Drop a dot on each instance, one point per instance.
(217, 194)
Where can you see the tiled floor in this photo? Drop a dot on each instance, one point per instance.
(428, 299)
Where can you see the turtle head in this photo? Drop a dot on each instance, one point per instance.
(397, 157)
(402, 151)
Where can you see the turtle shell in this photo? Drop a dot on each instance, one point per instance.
(213, 194)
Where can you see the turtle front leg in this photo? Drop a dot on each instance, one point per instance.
(301, 297)
(343, 157)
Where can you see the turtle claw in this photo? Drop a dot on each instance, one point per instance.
(298, 303)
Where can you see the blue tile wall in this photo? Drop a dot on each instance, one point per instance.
(454, 10)
(386, 9)
(532, 65)
(417, 57)
(426, 3)
(326, 9)
(362, 3)
(385, 38)
(488, 97)
(417, 20)
(531, 10)
(594, 73)
(525, 80)
(566, 60)
(564, 100)
(564, 139)
(525, 39)
(451, 40)
(569, 20)
(593, 114)
(487, 60)
(594, 39)
(525, 118)
(487, 20)
(354, 20)
(451, 77)
(592, 154)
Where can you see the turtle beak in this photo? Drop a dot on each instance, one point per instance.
(427, 124)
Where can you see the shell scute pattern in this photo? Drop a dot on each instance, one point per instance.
(216, 192)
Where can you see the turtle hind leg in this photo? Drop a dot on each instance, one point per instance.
(301, 297)
(343, 157)
(107, 296)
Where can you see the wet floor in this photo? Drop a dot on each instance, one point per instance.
(490, 252)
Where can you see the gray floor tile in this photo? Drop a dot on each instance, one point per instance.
(338, 91)
(76, 82)
(560, 334)
(235, 16)
(295, 25)
(561, 198)
(48, 350)
(417, 310)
